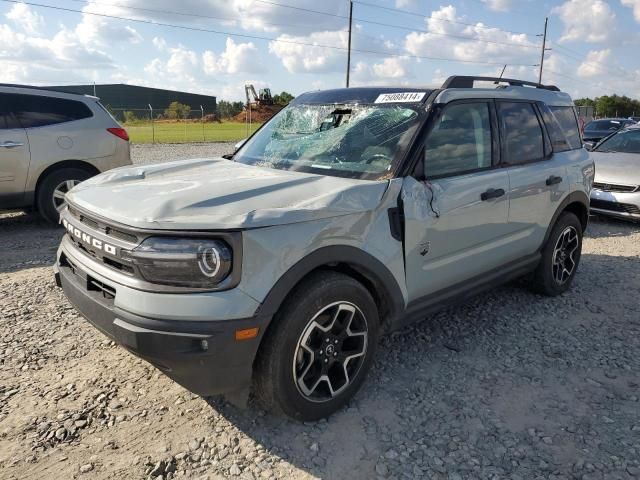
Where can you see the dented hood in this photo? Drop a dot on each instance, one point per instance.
(220, 194)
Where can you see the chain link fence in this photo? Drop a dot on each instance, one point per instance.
(189, 126)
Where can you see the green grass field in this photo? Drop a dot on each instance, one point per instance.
(187, 132)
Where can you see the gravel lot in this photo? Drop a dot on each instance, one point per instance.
(510, 385)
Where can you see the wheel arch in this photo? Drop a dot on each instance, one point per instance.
(356, 263)
(91, 169)
(576, 203)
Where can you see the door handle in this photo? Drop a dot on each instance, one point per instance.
(492, 193)
(10, 144)
(553, 180)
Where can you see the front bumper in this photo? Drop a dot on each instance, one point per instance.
(625, 205)
(203, 356)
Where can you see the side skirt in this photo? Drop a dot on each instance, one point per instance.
(454, 295)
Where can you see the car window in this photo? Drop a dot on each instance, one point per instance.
(8, 121)
(566, 117)
(604, 125)
(38, 111)
(627, 141)
(461, 140)
(523, 137)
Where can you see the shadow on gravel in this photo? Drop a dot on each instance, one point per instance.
(27, 241)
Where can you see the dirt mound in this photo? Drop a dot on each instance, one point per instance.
(259, 113)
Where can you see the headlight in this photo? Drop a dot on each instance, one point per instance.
(183, 262)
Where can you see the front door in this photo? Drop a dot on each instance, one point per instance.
(457, 220)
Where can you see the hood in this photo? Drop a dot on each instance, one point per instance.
(203, 194)
(617, 168)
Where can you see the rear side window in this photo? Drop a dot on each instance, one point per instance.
(523, 138)
(39, 111)
(562, 127)
(566, 117)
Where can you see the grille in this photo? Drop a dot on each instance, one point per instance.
(610, 187)
(103, 227)
(615, 207)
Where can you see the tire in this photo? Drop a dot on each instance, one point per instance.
(560, 257)
(286, 371)
(57, 180)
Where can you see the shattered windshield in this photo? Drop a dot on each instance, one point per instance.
(351, 140)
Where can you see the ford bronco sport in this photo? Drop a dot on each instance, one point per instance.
(349, 214)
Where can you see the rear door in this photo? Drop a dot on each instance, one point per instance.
(538, 177)
(456, 220)
(14, 157)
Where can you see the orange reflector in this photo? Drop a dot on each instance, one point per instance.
(247, 333)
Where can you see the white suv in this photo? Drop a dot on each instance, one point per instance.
(50, 142)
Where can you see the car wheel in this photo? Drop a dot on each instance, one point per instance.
(560, 256)
(52, 191)
(319, 349)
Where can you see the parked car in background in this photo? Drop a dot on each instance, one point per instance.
(616, 189)
(635, 119)
(50, 142)
(596, 130)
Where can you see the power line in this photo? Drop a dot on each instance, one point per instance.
(372, 22)
(422, 15)
(257, 37)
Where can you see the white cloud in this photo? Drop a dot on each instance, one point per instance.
(25, 18)
(298, 58)
(104, 32)
(590, 21)
(591, 66)
(498, 5)
(392, 67)
(438, 42)
(160, 43)
(236, 58)
(635, 4)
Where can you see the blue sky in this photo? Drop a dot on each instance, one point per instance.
(593, 43)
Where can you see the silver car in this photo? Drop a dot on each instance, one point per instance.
(50, 142)
(349, 214)
(616, 189)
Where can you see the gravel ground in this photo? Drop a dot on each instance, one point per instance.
(510, 385)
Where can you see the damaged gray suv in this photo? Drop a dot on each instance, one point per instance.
(349, 214)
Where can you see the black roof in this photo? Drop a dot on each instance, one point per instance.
(354, 95)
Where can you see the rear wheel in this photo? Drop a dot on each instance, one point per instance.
(320, 348)
(560, 256)
(54, 187)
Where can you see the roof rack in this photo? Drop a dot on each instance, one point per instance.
(464, 81)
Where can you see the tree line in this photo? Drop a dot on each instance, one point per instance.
(611, 105)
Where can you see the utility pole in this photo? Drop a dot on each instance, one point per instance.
(544, 47)
(349, 44)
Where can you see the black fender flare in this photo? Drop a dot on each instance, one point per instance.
(574, 197)
(366, 265)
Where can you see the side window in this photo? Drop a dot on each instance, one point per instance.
(38, 111)
(566, 117)
(460, 142)
(559, 140)
(523, 138)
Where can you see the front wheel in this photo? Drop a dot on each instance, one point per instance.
(560, 256)
(317, 353)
